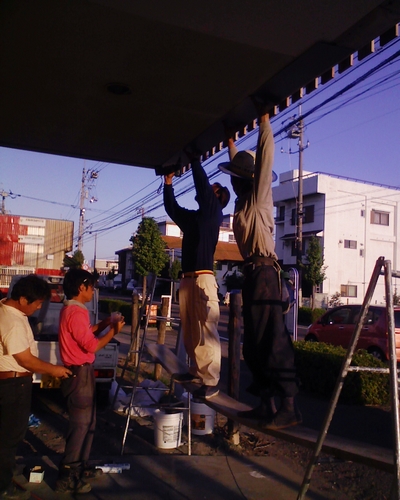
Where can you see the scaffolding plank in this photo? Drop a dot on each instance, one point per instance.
(163, 355)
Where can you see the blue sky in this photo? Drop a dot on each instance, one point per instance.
(356, 136)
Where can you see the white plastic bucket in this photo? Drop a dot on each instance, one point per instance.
(202, 416)
(167, 429)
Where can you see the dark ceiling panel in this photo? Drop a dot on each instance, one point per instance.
(187, 66)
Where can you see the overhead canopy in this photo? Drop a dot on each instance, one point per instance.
(137, 82)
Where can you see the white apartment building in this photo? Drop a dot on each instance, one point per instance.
(356, 222)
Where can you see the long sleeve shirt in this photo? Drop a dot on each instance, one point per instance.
(76, 338)
(200, 227)
(253, 221)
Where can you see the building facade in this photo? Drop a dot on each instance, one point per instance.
(356, 222)
(32, 245)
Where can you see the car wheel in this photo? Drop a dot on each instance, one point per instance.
(311, 338)
(377, 353)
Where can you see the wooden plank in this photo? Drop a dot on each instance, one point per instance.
(373, 456)
(166, 358)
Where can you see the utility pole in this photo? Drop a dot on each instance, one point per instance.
(82, 211)
(95, 251)
(3, 202)
(299, 238)
(297, 132)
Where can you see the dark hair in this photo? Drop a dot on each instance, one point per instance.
(74, 279)
(222, 193)
(32, 288)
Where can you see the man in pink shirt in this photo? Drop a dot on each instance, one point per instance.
(79, 342)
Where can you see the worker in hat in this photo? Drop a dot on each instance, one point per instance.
(267, 347)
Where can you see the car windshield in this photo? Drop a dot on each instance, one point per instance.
(339, 316)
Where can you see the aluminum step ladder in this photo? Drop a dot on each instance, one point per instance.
(137, 347)
(345, 368)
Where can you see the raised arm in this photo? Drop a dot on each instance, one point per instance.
(173, 209)
(204, 192)
(264, 161)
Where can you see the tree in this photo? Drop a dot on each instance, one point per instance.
(174, 273)
(148, 250)
(396, 298)
(335, 300)
(314, 269)
(175, 269)
(75, 261)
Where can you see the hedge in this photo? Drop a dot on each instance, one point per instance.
(307, 315)
(318, 366)
(108, 306)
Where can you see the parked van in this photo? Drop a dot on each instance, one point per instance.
(337, 326)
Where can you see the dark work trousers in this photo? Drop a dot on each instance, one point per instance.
(267, 346)
(79, 391)
(15, 407)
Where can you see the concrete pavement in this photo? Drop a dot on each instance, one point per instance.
(173, 477)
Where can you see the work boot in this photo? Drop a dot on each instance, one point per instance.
(264, 411)
(205, 392)
(69, 481)
(287, 416)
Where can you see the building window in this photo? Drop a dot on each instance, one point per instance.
(281, 214)
(348, 290)
(378, 217)
(350, 244)
(293, 217)
(294, 248)
(308, 214)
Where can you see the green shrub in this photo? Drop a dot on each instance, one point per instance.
(108, 306)
(304, 316)
(307, 315)
(318, 367)
(317, 313)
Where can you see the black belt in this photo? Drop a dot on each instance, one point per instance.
(257, 260)
(74, 367)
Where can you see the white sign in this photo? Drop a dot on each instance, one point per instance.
(32, 221)
(30, 239)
